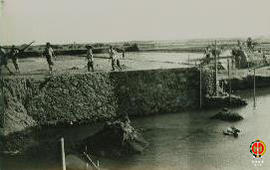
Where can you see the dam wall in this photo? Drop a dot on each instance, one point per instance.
(99, 96)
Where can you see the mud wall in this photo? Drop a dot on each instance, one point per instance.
(86, 98)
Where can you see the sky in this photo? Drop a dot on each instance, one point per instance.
(68, 21)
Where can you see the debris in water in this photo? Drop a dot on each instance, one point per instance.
(227, 115)
(231, 131)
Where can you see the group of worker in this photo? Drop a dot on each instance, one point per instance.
(114, 57)
(49, 54)
(13, 54)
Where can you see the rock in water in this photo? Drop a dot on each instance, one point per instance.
(227, 115)
(116, 139)
(231, 131)
(224, 101)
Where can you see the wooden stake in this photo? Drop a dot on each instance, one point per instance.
(98, 164)
(254, 88)
(63, 153)
(86, 166)
(200, 86)
(229, 78)
(215, 55)
(2, 102)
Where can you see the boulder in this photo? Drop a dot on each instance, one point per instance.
(223, 101)
(116, 139)
(227, 115)
(232, 131)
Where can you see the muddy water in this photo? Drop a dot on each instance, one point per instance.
(188, 140)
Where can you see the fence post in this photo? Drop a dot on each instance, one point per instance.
(63, 153)
(200, 86)
(254, 88)
(2, 102)
(229, 79)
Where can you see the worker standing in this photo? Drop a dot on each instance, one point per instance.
(4, 60)
(123, 53)
(90, 58)
(49, 53)
(13, 54)
(114, 58)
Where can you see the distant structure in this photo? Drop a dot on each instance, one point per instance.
(246, 55)
(2, 5)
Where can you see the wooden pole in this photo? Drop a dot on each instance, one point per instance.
(222, 86)
(229, 79)
(63, 153)
(254, 88)
(200, 86)
(2, 103)
(215, 55)
(98, 164)
(86, 166)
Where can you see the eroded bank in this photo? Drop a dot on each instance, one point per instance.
(92, 97)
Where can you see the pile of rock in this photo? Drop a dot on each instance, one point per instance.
(227, 115)
(232, 131)
(116, 139)
(223, 101)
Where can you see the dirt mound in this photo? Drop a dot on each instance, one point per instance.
(227, 115)
(116, 139)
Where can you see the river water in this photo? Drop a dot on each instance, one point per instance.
(187, 140)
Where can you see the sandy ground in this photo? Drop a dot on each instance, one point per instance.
(38, 67)
(78, 64)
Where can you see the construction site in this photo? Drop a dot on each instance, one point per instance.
(34, 100)
(134, 85)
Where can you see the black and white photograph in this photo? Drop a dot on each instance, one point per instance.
(134, 84)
